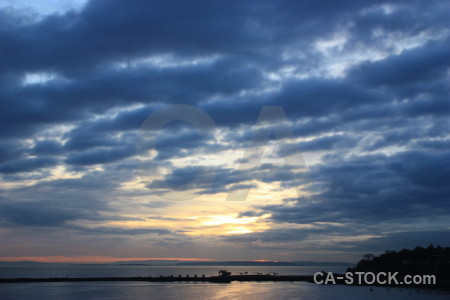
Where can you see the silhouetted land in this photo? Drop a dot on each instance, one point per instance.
(218, 279)
(430, 260)
(419, 261)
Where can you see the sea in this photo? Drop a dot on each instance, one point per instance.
(188, 290)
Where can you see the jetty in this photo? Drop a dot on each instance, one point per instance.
(223, 277)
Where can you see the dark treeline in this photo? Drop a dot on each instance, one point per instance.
(430, 260)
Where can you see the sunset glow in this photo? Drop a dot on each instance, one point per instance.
(222, 130)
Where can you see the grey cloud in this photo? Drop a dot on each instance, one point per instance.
(318, 144)
(418, 64)
(372, 189)
(398, 240)
(121, 231)
(34, 213)
(47, 147)
(27, 165)
(100, 156)
(115, 62)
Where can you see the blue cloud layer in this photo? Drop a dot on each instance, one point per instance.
(374, 102)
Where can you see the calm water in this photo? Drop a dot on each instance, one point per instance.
(187, 291)
(39, 271)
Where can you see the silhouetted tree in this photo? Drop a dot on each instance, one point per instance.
(430, 260)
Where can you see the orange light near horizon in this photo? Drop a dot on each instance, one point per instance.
(91, 259)
(107, 259)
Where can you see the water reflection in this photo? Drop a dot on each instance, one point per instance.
(188, 291)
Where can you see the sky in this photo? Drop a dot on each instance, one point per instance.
(223, 130)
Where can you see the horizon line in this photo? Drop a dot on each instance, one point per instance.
(109, 259)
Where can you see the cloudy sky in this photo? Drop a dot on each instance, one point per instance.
(223, 130)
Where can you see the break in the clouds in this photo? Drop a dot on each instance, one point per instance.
(364, 91)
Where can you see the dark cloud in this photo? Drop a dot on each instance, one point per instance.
(372, 189)
(10, 150)
(125, 120)
(312, 97)
(47, 147)
(145, 27)
(401, 240)
(366, 82)
(199, 177)
(183, 142)
(33, 213)
(319, 144)
(424, 169)
(99, 156)
(434, 144)
(289, 235)
(121, 231)
(27, 165)
(210, 180)
(418, 64)
(84, 139)
(61, 201)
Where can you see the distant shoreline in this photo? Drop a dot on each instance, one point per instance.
(178, 263)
